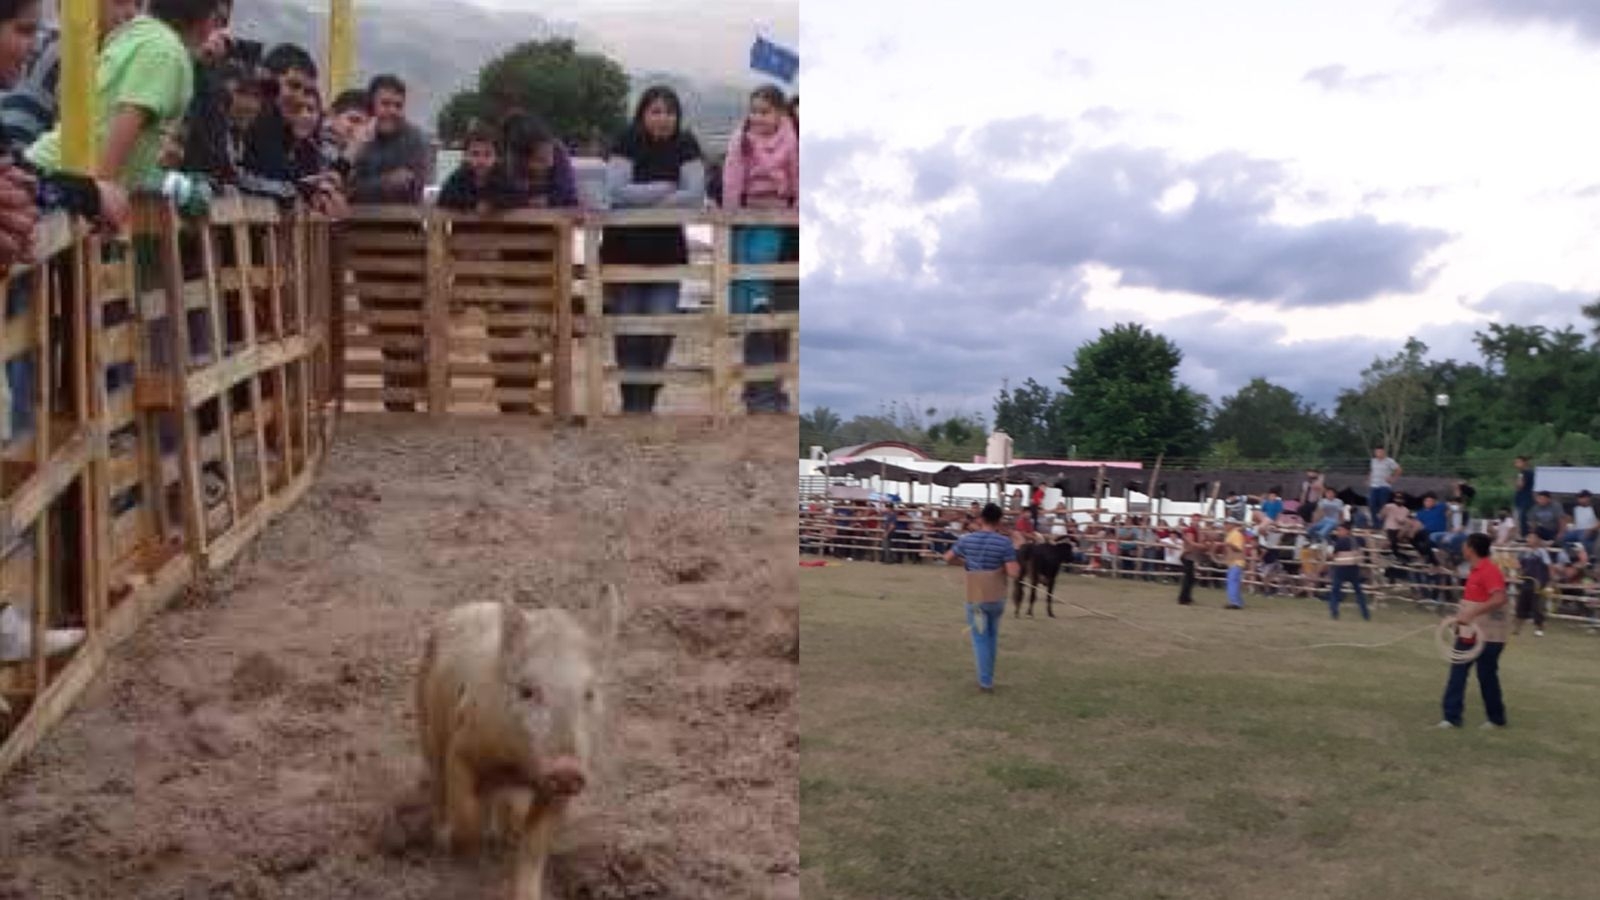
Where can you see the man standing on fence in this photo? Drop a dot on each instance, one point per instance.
(1483, 604)
(1380, 481)
(990, 559)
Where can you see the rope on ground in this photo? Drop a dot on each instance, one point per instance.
(1446, 631)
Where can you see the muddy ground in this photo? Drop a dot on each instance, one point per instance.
(257, 739)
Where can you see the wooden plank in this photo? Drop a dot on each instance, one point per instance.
(380, 242)
(437, 329)
(21, 334)
(227, 547)
(382, 366)
(123, 473)
(383, 214)
(521, 241)
(387, 265)
(763, 322)
(385, 395)
(721, 286)
(533, 294)
(391, 290)
(120, 409)
(540, 397)
(386, 318)
(768, 272)
(119, 343)
(51, 706)
(470, 346)
(24, 507)
(595, 327)
(564, 400)
(692, 376)
(769, 372)
(530, 271)
(529, 369)
(535, 321)
(411, 342)
(681, 325)
(654, 274)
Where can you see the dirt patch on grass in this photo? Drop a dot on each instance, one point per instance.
(257, 740)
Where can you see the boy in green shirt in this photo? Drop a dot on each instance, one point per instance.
(146, 79)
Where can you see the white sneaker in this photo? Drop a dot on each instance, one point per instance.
(16, 637)
(1538, 633)
(1446, 724)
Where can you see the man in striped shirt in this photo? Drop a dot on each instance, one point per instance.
(990, 559)
(30, 109)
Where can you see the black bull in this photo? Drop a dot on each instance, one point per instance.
(1040, 564)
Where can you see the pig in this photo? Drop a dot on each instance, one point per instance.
(510, 709)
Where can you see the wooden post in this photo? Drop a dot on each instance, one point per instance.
(1152, 488)
(597, 333)
(563, 348)
(1099, 489)
(1211, 502)
(722, 346)
(436, 315)
(80, 51)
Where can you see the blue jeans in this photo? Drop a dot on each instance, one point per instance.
(1455, 690)
(1236, 586)
(1377, 499)
(757, 246)
(646, 352)
(1341, 577)
(1451, 541)
(985, 645)
(1322, 529)
(1522, 515)
(1581, 538)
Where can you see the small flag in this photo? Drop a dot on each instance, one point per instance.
(779, 62)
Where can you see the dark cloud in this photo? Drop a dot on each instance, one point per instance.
(1103, 206)
(1581, 17)
(873, 340)
(1532, 303)
(1340, 78)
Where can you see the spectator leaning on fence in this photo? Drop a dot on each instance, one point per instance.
(395, 165)
(1584, 527)
(655, 163)
(146, 82)
(30, 108)
(538, 165)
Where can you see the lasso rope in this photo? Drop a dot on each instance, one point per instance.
(1446, 631)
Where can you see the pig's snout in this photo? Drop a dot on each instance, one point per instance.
(564, 777)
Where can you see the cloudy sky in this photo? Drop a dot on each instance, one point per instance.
(704, 38)
(1285, 189)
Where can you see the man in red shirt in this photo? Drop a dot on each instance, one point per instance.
(1483, 604)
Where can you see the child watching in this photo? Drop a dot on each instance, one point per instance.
(538, 165)
(762, 172)
(479, 184)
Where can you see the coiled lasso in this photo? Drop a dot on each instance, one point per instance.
(1449, 631)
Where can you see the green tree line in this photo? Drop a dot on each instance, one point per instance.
(1534, 392)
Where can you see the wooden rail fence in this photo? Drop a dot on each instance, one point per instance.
(861, 533)
(165, 397)
(448, 313)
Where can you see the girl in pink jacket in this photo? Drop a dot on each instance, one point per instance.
(761, 171)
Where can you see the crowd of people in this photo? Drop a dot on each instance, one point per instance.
(186, 109)
(1270, 545)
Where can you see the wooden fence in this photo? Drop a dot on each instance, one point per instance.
(852, 530)
(166, 396)
(449, 313)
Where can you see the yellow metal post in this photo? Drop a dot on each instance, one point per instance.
(341, 45)
(80, 50)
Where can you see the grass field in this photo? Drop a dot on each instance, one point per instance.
(1113, 762)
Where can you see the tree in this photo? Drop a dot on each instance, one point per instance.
(1391, 399)
(579, 94)
(1265, 421)
(1592, 313)
(957, 438)
(1034, 417)
(819, 427)
(1125, 400)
